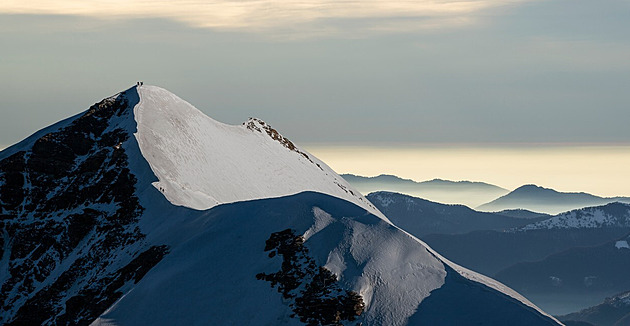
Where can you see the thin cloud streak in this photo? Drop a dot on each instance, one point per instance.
(266, 15)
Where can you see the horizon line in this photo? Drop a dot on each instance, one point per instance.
(437, 145)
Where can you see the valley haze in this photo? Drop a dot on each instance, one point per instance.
(596, 169)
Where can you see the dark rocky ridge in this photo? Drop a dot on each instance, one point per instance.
(67, 207)
(254, 123)
(317, 298)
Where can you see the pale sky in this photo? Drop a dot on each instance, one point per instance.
(377, 73)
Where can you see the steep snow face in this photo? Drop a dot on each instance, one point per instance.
(611, 215)
(201, 163)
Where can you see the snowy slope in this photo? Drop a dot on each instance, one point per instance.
(215, 153)
(209, 278)
(144, 211)
(607, 216)
(201, 163)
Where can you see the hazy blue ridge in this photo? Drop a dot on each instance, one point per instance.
(421, 217)
(539, 199)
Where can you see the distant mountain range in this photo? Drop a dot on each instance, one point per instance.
(539, 199)
(614, 311)
(564, 263)
(522, 213)
(490, 252)
(483, 196)
(468, 193)
(421, 217)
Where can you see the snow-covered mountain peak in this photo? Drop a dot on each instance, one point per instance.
(104, 221)
(200, 162)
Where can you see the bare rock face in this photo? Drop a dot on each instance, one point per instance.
(68, 207)
(317, 298)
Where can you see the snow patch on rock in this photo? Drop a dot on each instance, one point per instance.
(622, 244)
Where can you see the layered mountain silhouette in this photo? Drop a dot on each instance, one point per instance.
(421, 217)
(539, 199)
(467, 193)
(599, 270)
(567, 261)
(144, 211)
(522, 213)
